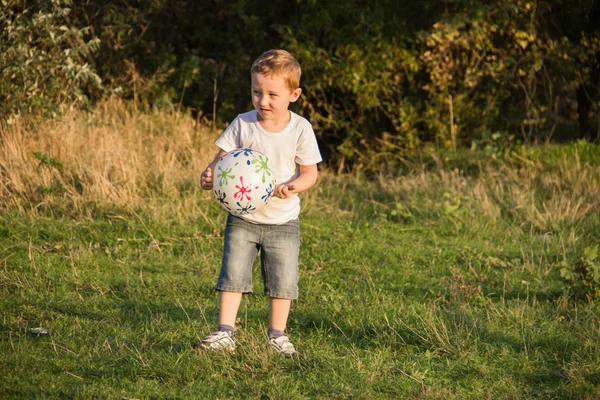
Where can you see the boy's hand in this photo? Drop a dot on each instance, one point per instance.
(283, 191)
(206, 180)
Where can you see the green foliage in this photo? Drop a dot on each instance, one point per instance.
(56, 187)
(488, 64)
(487, 75)
(496, 144)
(584, 274)
(361, 89)
(44, 60)
(183, 52)
(47, 161)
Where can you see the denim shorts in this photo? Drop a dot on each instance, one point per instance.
(279, 247)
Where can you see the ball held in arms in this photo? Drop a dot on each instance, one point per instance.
(243, 181)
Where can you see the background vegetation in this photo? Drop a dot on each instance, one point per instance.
(380, 78)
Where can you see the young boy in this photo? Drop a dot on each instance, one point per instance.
(289, 142)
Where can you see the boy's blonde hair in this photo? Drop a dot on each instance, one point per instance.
(279, 63)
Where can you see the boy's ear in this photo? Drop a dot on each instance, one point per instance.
(295, 94)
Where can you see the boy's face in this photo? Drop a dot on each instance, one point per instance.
(271, 97)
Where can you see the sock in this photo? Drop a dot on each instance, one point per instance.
(274, 333)
(226, 328)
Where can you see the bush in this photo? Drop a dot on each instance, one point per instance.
(44, 61)
(584, 273)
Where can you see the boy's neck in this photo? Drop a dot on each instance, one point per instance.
(275, 126)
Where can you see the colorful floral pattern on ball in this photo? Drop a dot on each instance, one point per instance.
(244, 181)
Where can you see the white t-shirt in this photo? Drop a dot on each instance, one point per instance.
(295, 144)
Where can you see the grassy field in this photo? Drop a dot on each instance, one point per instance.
(439, 281)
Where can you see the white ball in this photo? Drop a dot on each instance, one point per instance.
(243, 181)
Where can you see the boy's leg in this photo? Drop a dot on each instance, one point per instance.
(235, 278)
(279, 262)
(280, 309)
(240, 247)
(229, 303)
(222, 338)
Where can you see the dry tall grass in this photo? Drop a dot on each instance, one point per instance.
(111, 156)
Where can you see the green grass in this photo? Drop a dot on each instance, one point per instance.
(432, 285)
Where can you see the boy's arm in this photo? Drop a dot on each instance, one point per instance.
(306, 180)
(206, 178)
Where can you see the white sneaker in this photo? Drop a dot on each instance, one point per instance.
(218, 340)
(283, 346)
